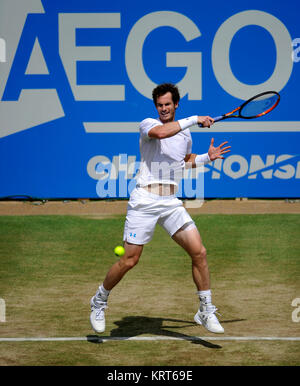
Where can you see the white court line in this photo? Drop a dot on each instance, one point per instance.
(97, 338)
(228, 127)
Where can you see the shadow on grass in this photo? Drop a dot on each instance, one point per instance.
(131, 326)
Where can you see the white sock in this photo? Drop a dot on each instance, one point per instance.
(102, 293)
(205, 298)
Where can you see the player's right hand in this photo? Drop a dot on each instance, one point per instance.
(205, 121)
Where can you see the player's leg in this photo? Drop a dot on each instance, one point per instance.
(181, 227)
(190, 240)
(138, 230)
(126, 262)
(188, 237)
(112, 278)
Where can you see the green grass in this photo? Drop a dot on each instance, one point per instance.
(50, 266)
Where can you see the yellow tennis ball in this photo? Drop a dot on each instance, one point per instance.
(119, 250)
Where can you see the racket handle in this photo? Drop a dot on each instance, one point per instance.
(216, 119)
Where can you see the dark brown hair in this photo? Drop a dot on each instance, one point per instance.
(163, 88)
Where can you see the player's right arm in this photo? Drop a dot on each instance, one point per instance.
(171, 128)
(164, 131)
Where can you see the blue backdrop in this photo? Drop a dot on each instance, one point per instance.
(76, 78)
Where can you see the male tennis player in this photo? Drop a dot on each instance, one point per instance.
(165, 146)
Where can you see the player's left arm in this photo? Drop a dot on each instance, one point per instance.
(192, 159)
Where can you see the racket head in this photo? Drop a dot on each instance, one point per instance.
(259, 105)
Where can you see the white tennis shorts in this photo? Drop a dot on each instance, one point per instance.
(146, 209)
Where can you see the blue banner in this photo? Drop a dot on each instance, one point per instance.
(76, 78)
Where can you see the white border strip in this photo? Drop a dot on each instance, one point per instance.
(219, 127)
(97, 338)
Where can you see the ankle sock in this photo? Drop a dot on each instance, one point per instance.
(102, 293)
(205, 298)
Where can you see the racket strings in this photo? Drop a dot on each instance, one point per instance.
(259, 106)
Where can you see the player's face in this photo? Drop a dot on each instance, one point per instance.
(166, 108)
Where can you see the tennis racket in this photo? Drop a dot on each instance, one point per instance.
(257, 106)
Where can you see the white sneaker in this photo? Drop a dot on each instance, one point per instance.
(209, 320)
(97, 316)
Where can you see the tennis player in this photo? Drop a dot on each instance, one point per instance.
(165, 146)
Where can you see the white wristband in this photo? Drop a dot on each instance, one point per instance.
(202, 159)
(188, 122)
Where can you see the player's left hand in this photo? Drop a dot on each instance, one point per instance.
(217, 152)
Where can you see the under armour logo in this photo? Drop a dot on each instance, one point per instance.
(132, 234)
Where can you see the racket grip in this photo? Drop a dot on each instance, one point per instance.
(216, 119)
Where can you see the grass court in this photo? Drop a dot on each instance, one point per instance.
(50, 266)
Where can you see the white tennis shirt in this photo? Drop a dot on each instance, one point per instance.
(162, 160)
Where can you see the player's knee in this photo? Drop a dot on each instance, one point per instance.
(130, 261)
(200, 256)
(203, 252)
